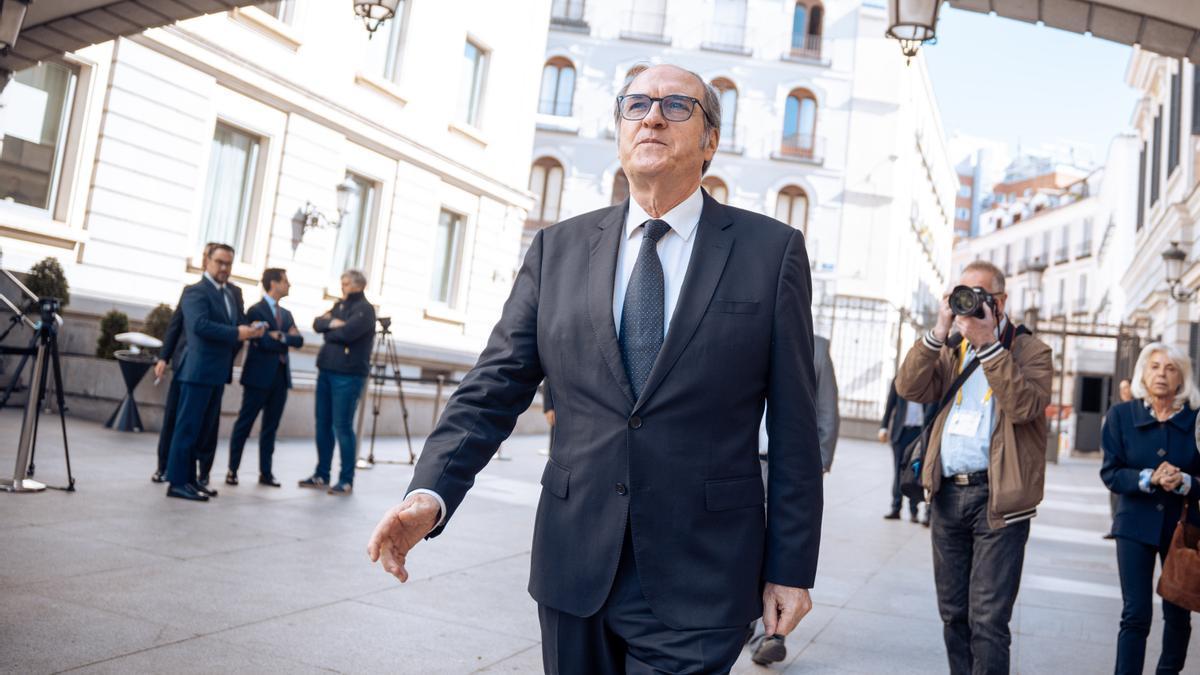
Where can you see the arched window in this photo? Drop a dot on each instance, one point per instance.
(807, 17)
(792, 207)
(799, 123)
(620, 188)
(716, 187)
(558, 88)
(729, 101)
(546, 182)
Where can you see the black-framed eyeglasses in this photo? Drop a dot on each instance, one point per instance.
(675, 108)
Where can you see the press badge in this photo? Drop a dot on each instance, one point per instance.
(965, 423)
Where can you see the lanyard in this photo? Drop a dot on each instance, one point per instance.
(962, 362)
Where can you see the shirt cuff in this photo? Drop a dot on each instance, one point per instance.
(1144, 480)
(931, 342)
(1184, 487)
(441, 504)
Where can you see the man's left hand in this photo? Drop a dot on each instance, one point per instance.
(783, 607)
(336, 323)
(979, 332)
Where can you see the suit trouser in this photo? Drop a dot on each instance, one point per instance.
(626, 637)
(165, 435)
(270, 403)
(907, 435)
(196, 419)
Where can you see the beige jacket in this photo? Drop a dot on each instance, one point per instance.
(1020, 379)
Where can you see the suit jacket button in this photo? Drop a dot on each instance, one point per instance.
(1162, 453)
(1159, 507)
(635, 422)
(621, 489)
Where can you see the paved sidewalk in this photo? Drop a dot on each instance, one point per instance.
(117, 578)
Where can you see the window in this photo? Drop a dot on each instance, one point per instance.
(964, 190)
(963, 214)
(446, 253)
(648, 19)
(729, 99)
(546, 182)
(474, 72)
(229, 193)
(1141, 188)
(280, 9)
(1060, 306)
(354, 231)
(35, 113)
(1081, 299)
(1046, 247)
(806, 29)
(384, 53)
(567, 11)
(792, 207)
(558, 88)
(716, 188)
(1156, 159)
(1176, 120)
(728, 28)
(620, 188)
(1008, 258)
(799, 123)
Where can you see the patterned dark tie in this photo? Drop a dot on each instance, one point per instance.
(642, 314)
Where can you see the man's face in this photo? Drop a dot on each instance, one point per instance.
(1125, 390)
(349, 287)
(983, 279)
(281, 288)
(655, 147)
(219, 264)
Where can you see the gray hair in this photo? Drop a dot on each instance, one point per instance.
(710, 103)
(356, 277)
(1187, 387)
(985, 266)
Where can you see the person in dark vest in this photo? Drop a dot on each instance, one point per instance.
(902, 422)
(266, 377)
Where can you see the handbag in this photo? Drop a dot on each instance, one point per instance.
(914, 453)
(1180, 580)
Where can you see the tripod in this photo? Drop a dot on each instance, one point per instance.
(384, 356)
(43, 346)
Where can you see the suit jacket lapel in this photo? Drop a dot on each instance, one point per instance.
(714, 240)
(602, 271)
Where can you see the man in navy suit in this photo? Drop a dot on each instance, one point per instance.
(266, 377)
(665, 323)
(215, 327)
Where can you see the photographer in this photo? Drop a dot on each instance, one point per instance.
(342, 368)
(985, 462)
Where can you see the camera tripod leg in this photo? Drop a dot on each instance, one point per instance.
(60, 398)
(16, 376)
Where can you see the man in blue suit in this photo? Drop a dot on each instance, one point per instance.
(214, 324)
(266, 377)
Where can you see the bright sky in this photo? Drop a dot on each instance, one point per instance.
(1015, 82)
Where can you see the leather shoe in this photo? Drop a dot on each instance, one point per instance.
(159, 477)
(268, 481)
(231, 478)
(203, 480)
(204, 490)
(892, 515)
(187, 492)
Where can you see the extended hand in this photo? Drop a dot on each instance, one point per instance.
(783, 607)
(882, 435)
(402, 528)
(979, 332)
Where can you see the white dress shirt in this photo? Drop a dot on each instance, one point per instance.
(224, 296)
(674, 252)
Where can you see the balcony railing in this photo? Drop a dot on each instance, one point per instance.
(567, 13)
(648, 26)
(807, 47)
(802, 147)
(1085, 250)
(1057, 310)
(726, 38)
(1062, 255)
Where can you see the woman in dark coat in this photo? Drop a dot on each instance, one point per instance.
(1151, 463)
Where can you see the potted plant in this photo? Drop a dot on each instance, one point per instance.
(111, 324)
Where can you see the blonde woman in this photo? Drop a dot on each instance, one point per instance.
(1151, 464)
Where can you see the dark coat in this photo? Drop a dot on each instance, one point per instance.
(347, 350)
(1133, 439)
(897, 410)
(262, 355)
(175, 339)
(679, 466)
(212, 335)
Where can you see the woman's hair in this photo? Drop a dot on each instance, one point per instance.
(1187, 389)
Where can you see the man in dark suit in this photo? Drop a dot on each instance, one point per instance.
(215, 326)
(665, 324)
(902, 422)
(266, 377)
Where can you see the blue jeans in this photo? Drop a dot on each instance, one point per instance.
(337, 399)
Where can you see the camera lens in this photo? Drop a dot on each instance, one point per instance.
(963, 301)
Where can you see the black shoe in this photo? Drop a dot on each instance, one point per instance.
(341, 489)
(925, 518)
(770, 650)
(1110, 535)
(204, 490)
(892, 515)
(186, 492)
(314, 482)
(912, 517)
(159, 477)
(203, 480)
(268, 480)
(231, 477)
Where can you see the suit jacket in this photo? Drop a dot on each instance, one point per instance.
(679, 466)
(175, 339)
(262, 355)
(896, 412)
(212, 335)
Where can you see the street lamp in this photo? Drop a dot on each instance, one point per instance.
(1035, 270)
(12, 15)
(1173, 259)
(913, 23)
(375, 12)
(310, 217)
